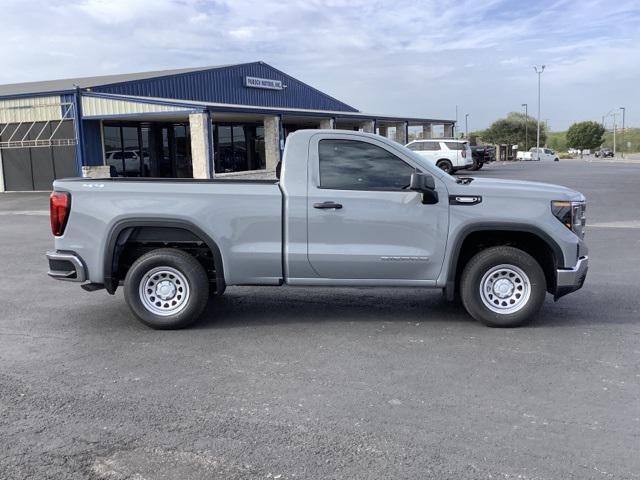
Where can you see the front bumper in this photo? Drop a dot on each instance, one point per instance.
(66, 266)
(571, 279)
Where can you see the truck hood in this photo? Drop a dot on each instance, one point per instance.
(516, 188)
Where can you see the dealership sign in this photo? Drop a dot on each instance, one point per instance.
(266, 83)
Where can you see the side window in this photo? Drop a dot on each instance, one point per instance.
(356, 165)
(416, 146)
(455, 145)
(432, 146)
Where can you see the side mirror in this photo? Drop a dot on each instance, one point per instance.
(422, 182)
(425, 184)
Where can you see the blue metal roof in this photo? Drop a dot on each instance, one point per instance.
(227, 85)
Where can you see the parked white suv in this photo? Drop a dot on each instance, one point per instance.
(449, 155)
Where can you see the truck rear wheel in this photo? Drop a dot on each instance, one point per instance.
(476, 165)
(166, 289)
(502, 287)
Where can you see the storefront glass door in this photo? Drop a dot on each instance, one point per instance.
(148, 150)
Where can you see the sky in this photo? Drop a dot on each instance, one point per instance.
(413, 58)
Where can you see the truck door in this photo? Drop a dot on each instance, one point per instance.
(363, 222)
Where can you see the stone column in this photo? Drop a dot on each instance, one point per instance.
(200, 145)
(427, 131)
(327, 123)
(272, 141)
(401, 133)
(368, 126)
(448, 130)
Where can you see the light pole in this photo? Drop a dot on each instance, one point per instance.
(526, 125)
(539, 72)
(455, 126)
(614, 133)
(466, 125)
(624, 146)
(613, 114)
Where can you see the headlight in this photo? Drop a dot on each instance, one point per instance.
(571, 214)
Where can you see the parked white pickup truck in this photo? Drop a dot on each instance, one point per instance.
(541, 154)
(349, 209)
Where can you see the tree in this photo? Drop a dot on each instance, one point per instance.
(585, 135)
(513, 129)
(557, 141)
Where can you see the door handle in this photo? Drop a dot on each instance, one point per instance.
(334, 205)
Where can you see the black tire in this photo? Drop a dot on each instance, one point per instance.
(556, 159)
(445, 165)
(500, 260)
(195, 293)
(480, 165)
(476, 165)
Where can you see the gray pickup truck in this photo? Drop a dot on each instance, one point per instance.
(347, 209)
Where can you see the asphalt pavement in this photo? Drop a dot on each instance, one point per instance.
(306, 383)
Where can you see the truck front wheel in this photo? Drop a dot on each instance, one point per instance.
(502, 287)
(166, 288)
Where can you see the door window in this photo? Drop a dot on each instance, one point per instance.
(355, 165)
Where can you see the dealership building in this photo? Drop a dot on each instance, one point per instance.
(188, 123)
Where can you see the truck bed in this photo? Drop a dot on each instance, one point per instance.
(242, 217)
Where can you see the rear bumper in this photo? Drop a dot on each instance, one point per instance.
(571, 279)
(66, 266)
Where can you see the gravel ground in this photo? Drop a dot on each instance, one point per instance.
(322, 383)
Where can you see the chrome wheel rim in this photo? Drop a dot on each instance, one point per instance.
(164, 291)
(505, 289)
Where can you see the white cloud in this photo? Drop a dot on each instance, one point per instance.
(413, 58)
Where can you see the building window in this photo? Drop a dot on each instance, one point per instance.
(238, 147)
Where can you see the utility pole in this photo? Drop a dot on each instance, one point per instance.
(526, 126)
(455, 127)
(539, 72)
(624, 145)
(614, 135)
(466, 125)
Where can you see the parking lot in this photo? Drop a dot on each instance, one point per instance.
(282, 383)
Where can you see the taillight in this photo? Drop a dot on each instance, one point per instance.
(59, 205)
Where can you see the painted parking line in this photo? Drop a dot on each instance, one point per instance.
(44, 213)
(621, 224)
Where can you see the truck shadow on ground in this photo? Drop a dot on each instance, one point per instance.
(242, 306)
